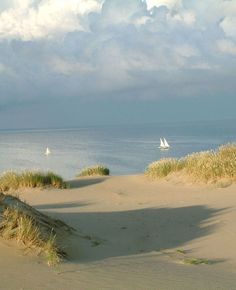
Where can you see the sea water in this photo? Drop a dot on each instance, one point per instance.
(124, 149)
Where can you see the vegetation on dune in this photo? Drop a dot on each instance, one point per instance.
(208, 166)
(196, 261)
(213, 165)
(12, 180)
(163, 167)
(94, 170)
(31, 228)
(25, 230)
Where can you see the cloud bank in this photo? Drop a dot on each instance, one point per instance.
(116, 49)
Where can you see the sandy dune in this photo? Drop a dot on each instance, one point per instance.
(129, 231)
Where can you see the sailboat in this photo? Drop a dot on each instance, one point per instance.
(164, 144)
(47, 152)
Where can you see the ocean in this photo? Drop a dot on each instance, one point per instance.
(124, 149)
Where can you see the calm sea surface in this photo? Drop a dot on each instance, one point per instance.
(125, 149)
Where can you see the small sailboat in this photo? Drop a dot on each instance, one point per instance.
(47, 152)
(164, 144)
(161, 144)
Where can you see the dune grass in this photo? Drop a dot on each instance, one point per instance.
(30, 228)
(25, 230)
(163, 167)
(207, 166)
(97, 170)
(12, 180)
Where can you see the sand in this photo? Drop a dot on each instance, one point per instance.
(132, 234)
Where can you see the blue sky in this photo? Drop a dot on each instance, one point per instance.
(83, 62)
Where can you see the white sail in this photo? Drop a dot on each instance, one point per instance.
(162, 145)
(166, 143)
(47, 151)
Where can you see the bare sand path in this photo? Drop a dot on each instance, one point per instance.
(133, 234)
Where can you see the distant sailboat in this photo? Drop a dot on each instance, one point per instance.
(161, 144)
(47, 151)
(164, 144)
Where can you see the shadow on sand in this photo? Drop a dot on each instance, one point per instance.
(113, 234)
(87, 181)
(61, 205)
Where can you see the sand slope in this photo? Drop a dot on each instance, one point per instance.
(128, 234)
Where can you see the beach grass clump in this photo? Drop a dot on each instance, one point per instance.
(213, 166)
(25, 230)
(97, 170)
(32, 229)
(30, 179)
(164, 167)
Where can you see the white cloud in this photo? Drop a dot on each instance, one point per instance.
(203, 66)
(229, 26)
(177, 12)
(186, 50)
(224, 8)
(187, 17)
(5, 70)
(141, 20)
(167, 3)
(123, 12)
(227, 46)
(51, 17)
(119, 49)
(69, 67)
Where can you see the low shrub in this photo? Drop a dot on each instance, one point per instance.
(94, 170)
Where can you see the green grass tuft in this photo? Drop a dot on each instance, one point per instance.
(51, 251)
(181, 251)
(196, 261)
(97, 170)
(13, 181)
(210, 166)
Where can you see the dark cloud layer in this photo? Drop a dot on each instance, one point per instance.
(116, 52)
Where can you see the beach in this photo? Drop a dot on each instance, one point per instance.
(117, 145)
(132, 233)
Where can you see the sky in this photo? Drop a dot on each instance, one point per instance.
(68, 63)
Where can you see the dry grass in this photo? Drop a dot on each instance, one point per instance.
(12, 180)
(213, 165)
(30, 228)
(97, 170)
(209, 166)
(163, 167)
